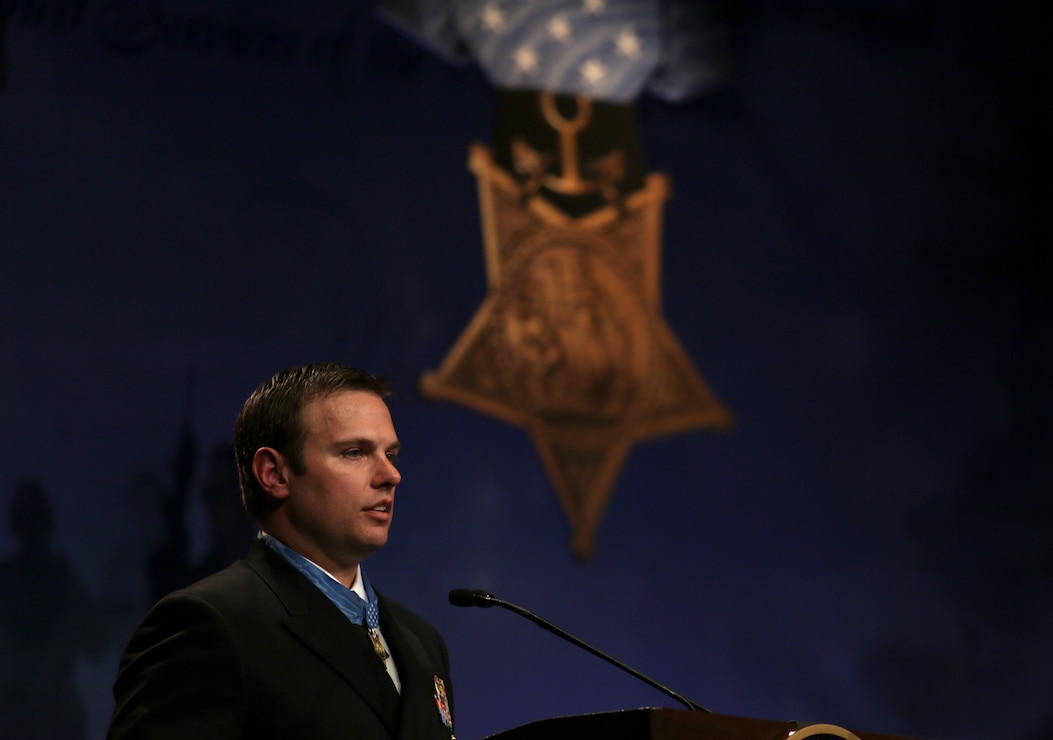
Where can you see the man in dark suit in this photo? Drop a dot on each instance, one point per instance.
(292, 641)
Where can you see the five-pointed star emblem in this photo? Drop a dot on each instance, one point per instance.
(570, 343)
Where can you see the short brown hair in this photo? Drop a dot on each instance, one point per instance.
(271, 417)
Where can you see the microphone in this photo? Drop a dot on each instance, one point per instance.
(485, 599)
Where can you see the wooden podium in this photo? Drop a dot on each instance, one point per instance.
(677, 724)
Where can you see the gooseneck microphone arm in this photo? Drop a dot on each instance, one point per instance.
(476, 597)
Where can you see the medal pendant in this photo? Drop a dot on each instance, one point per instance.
(378, 646)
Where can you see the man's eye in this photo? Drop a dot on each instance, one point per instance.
(353, 454)
(393, 457)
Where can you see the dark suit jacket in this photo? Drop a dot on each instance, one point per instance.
(257, 651)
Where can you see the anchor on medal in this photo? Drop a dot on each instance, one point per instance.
(601, 175)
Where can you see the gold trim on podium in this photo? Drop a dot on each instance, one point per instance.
(821, 732)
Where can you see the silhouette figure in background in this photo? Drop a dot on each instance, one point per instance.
(230, 528)
(168, 565)
(46, 621)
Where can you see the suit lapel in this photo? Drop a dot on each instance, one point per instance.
(321, 627)
(419, 715)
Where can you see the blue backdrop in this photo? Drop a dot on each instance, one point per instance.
(856, 257)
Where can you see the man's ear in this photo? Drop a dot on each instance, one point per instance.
(269, 467)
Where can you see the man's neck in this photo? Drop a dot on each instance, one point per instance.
(347, 575)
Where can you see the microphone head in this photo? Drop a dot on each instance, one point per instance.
(471, 597)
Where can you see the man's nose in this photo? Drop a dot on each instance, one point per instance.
(388, 474)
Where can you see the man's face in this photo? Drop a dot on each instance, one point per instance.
(342, 504)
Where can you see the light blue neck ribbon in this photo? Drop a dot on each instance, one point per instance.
(347, 601)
